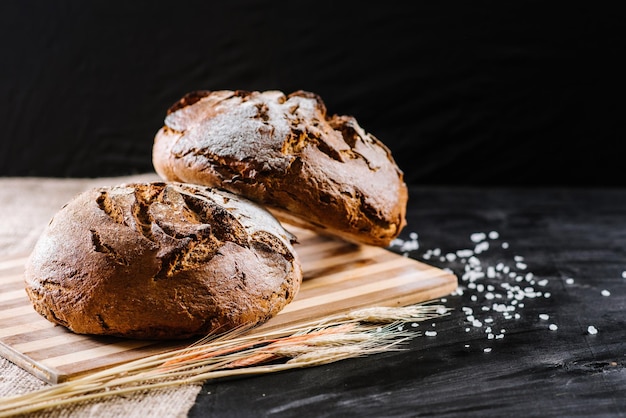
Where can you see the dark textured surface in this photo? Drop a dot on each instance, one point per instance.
(562, 234)
(463, 93)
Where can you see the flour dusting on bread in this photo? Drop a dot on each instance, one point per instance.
(319, 171)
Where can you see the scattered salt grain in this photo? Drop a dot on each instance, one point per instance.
(481, 247)
(474, 262)
(624, 274)
(464, 253)
(430, 333)
(478, 236)
(415, 324)
(487, 350)
(544, 317)
(553, 327)
(505, 245)
(592, 330)
(494, 235)
(605, 293)
(569, 280)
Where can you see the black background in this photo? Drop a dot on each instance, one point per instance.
(463, 93)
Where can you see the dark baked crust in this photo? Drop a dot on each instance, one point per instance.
(317, 171)
(161, 261)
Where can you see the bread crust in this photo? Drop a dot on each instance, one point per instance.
(284, 151)
(161, 261)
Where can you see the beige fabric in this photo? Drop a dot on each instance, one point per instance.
(26, 206)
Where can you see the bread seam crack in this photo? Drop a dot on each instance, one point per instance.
(102, 247)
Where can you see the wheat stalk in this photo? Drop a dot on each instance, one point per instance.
(354, 334)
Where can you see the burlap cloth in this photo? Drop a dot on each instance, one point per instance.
(26, 206)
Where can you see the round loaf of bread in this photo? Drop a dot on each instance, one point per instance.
(283, 151)
(161, 261)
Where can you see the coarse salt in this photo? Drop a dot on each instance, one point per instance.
(464, 253)
(605, 293)
(481, 247)
(488, 300)
(478, 236)
(592, 330)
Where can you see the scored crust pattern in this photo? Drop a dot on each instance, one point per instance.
(161, 260)
(315, 170)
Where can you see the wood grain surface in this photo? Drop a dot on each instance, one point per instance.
(338, 277)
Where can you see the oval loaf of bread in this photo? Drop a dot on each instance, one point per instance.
(161, 261)
(283, 151)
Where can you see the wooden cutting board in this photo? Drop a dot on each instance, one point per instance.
(338, 277)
